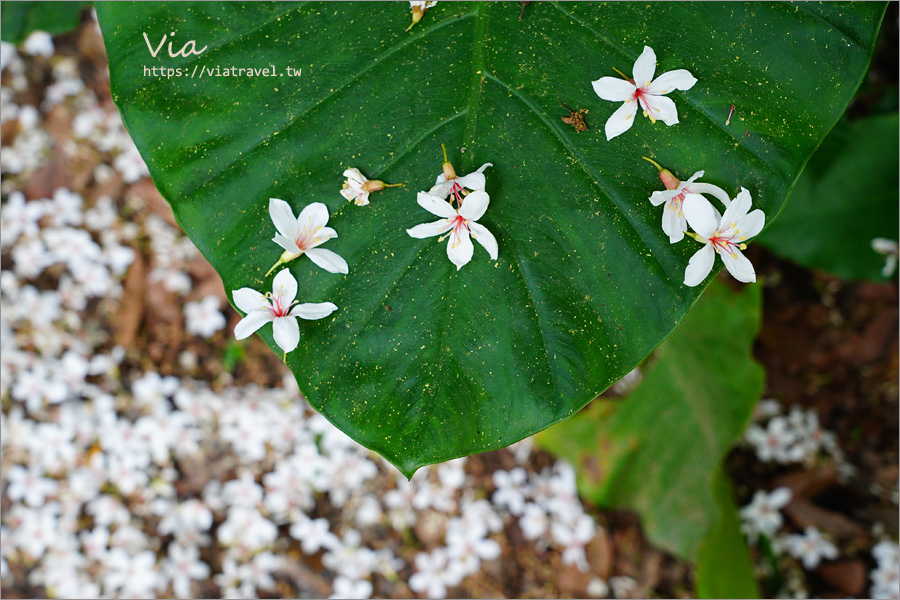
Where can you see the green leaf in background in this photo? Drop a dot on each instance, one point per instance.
(423, 363)
(847, 195)
(724, 566)
(21, 18)
(659, 452)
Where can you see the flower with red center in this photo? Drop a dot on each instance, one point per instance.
(673, 221)
(448, 183)
(303, 234)
(643, 90)
(723, 234)
(461, 224)
(277, 307)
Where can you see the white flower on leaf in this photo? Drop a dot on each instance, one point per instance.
(723, 234)
(448, 183)
(303, 234)
(418, 8)
(278, 308)
(673, 222)
(357, 187)
(643, 90)
(461, 224)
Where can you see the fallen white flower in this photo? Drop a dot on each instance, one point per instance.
(278, 308)
(643, 90)
(303, 234)
(723, 234)
(461, 224)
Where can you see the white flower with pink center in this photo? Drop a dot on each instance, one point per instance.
(461, 225)
(304, 234)
(277, 307)
(722, 234)
(643, 90)
(673, 222)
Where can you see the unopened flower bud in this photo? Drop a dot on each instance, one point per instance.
(669, 180)
(449, 172)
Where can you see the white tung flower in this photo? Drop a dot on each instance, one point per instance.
(357, 187)
(810, 548)
(303, 234)
(723, 234)
(278, 308)
(887, 248)
(418, 8)
(448, 183)
(643, 90)
(673, 222)
(461, 224)
(763, 514)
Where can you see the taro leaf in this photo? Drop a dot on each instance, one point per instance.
(21, 18)
(658, 451)
(724, 566)
(423, 363)
(846, 196)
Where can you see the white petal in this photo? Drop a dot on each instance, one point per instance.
(699, 266)
(752, 224)
(662, 196)
(328, 260)
(644, 68)
(283, 218)
(285, 285)
(315, 215)
(350, 193)
(312, 311)
(713, 190)
(739, 266)
(474, 205)
(253, 321)
(472, 181)
(738, 209)
(780, 497)
(441, 189)
(355, 176)
(435, 205)
(287, 243)
(700, 215)
(674, 224)
(693, 178)
(662, 109)
(621, 120)
(678, 79)
(459, 248)
(249, 300)
(431, 229)
(614, 89)
(322, 235)
(286, 332)
(485, 238)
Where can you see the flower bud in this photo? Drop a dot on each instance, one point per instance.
(669, 180)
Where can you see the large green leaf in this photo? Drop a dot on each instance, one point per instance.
(21, 18)
(847, 195)
(660, 451)
(724, 566)
(423, 363)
